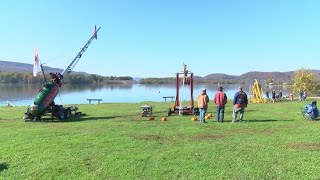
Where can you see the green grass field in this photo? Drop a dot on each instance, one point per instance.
(114, 142)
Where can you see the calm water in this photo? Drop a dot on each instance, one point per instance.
(23, 94)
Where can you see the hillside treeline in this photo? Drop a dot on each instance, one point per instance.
(262, 77)
(157, 80)
(14, 77)
(195, 80)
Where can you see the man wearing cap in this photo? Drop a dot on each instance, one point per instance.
(220, 99)
(240, 101)
(203, 101)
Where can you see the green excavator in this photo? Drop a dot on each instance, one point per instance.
(44, 100)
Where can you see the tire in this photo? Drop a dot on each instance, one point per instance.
(195, 111)
(169, 112)
(67, 113)
(60, 114)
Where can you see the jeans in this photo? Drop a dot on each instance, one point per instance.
(202, 114)
(235, 113)
(220, 113)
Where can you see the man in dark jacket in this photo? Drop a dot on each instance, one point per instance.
(273, 95)
(240, 101)
(280, 95)
(220, 99)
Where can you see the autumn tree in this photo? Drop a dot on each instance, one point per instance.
(317, 84)
(304, 80)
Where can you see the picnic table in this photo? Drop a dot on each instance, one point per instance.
(94, 100)
(166, 97)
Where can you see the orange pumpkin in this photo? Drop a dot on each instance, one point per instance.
(164, 119)
(194, 119)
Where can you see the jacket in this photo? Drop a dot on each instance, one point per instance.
(203, 100)
(220, 98)
(240, 99)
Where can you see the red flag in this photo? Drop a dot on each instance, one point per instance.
(95, 32)
(36, 64)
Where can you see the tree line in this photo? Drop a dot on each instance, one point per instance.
(171, 80)
(16, 77)
(304, 80)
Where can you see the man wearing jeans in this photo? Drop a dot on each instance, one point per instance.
(220, 99)
(240, 101)
(203, 101)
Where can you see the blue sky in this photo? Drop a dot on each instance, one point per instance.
(153, 38)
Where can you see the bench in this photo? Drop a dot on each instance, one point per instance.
(165, 98)
(94, 100)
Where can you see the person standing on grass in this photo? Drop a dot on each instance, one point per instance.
(203, 101)
(267, 96)
(291, 97)
(220, 99)
(304, 95)
(240, 101)
(300, 95)
(280, 95)
(273, 95)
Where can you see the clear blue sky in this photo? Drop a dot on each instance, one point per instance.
(152, 38)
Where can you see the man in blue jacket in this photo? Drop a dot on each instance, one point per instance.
(240, 101)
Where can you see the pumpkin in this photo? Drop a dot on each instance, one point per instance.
(194, 119)
(164, 119)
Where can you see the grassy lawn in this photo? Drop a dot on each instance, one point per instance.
(114, 142)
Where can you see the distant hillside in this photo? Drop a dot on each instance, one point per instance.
(8, 66)
(262, 76)
(221, 78)
(251, 76)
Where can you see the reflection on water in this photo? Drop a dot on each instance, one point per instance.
(23, 94)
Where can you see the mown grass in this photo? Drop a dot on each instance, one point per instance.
(114, 142)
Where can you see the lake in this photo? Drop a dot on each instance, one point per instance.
(23, 94)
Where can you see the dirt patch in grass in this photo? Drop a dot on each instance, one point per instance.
(150, 137)
(178, 138)
(268, 131)
(304, 146)
(90, 162)
(288, 126)
(209, 137)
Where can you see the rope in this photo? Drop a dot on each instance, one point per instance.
(181, 97)
(60, 98)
